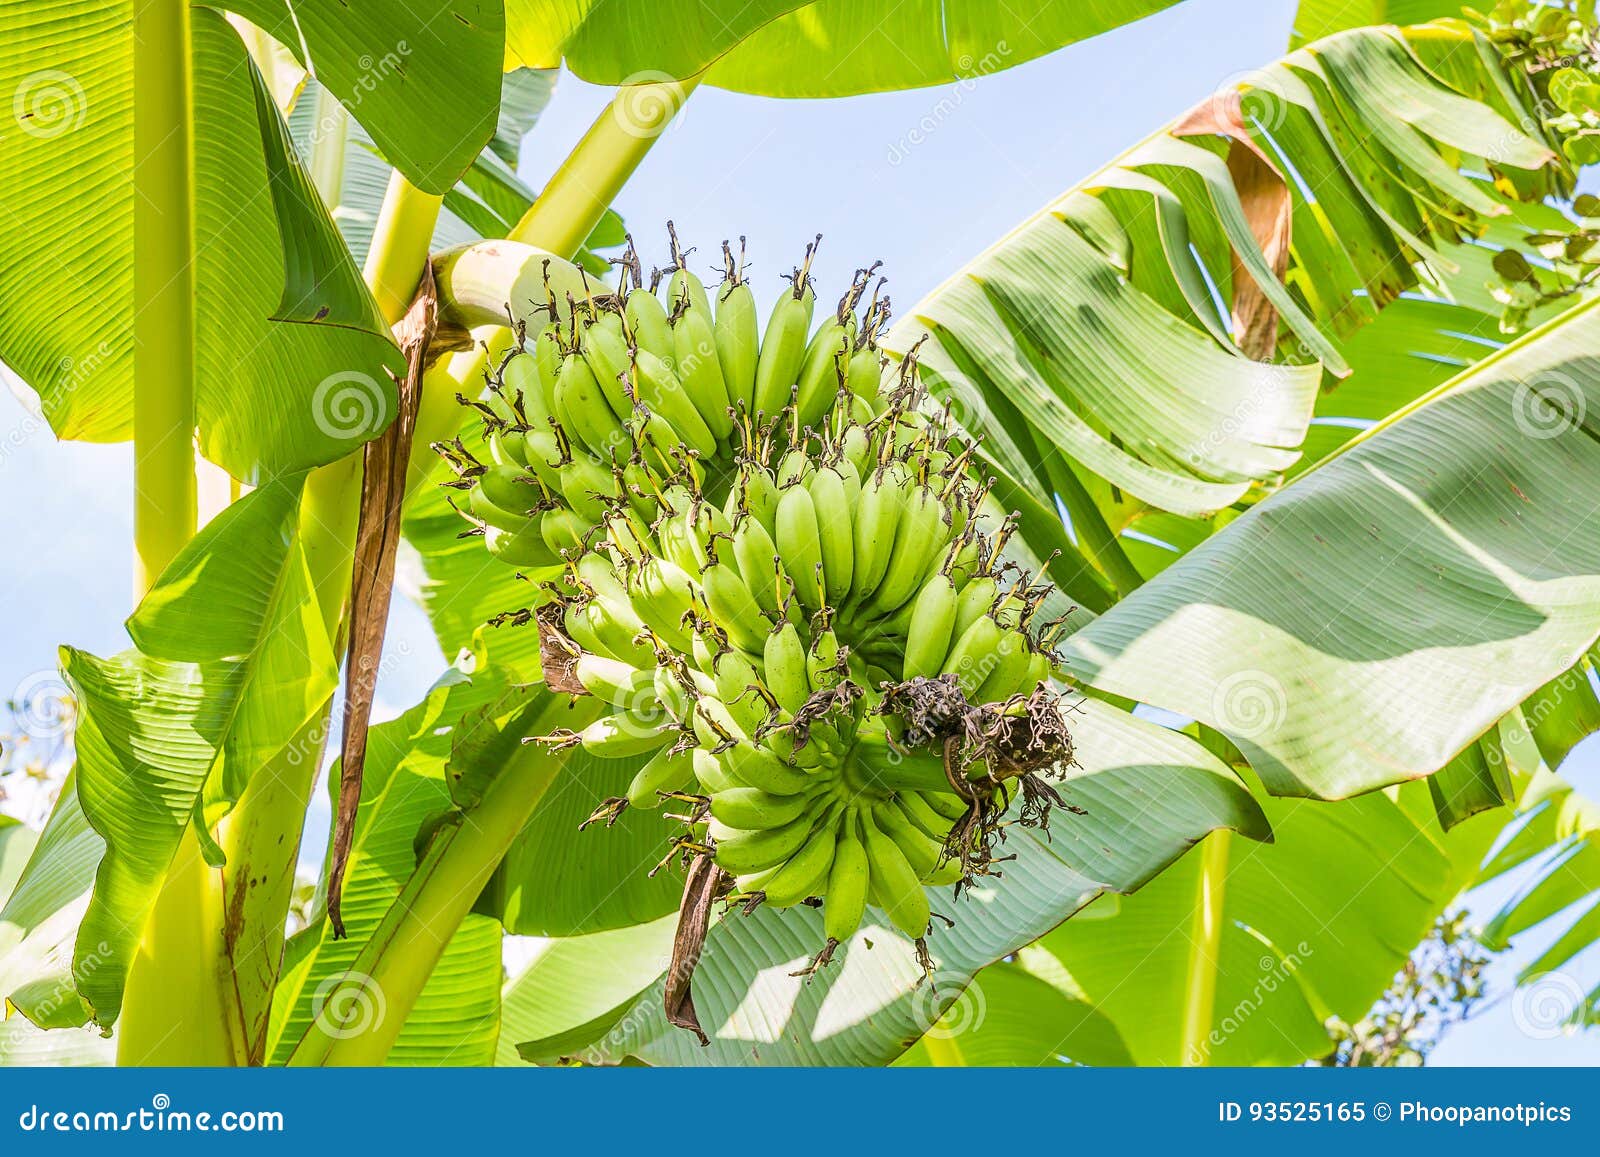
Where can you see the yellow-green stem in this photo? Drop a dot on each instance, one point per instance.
(582, 189)
(164, 510)
(400, 241)
(166, 1022)
(1205, 949)
(400, 956)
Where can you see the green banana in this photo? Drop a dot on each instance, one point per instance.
(511, 488)
(604, 346)
(799, 545)
(848, 882)
(922, 534)
(508, 447)
(614, 681)
(741, 850)
(686, 286)
(863, 373)
(783, 347)
(694, 356)
(586, 485)
(877, 520)
(1008, 673)
(736, 680)
(525, 547)
(529, 397)
(486, 512)
(659, 390)
(835, 531)
(666, 770)
(784, 668)
(823, 368)
(805, 873)
(976, 599)
(758, 493)
(951, 807)
(822, 661)
(755, 554)
(921, 850)
(757, 767)
(647, 325)
(541, 453)
(663, 593)
(969, 659)
(735, 608)
(895, 886)
(623, 734)
(582, 409)
(752, 809)
(738, 342)
(932, 626)
(710, 772)
(670, 693)
(547, 355)
(923, 815)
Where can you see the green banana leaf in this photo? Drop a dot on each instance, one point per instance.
(1009, 1017)
(1315, 19)
(230, 658)
(1365, 625)
(17, 842)
(290, 365)
(22, 1042)
(455, 1020)
(1312, 926)
(573, 983)
(1092, 330)
(559, 881)
(396, 67)
(1148, 794)
(1557, 844)
(790, 49)
(40, 918)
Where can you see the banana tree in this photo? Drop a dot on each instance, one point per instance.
(1291, 220)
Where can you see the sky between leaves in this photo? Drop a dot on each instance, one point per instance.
(920, 180)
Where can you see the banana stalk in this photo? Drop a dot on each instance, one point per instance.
(163, 315)
(1205, 948)
(402, 953)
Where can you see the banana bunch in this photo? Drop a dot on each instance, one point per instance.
(630, 386)
(777, 568)
(805, 660)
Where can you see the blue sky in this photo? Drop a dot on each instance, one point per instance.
(920, 180)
